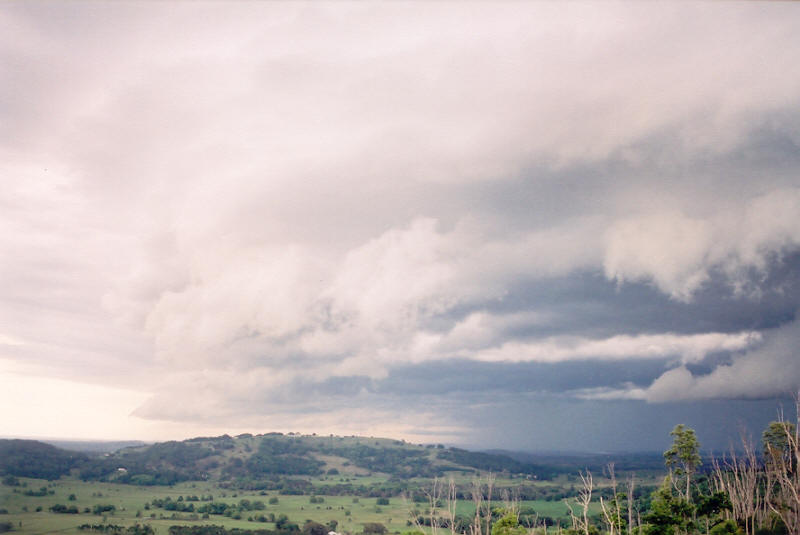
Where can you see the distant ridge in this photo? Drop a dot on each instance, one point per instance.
(251, 459)
(646, 460)
(93, 446)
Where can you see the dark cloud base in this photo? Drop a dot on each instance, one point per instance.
(571, 425)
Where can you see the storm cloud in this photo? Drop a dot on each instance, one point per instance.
(295, 216)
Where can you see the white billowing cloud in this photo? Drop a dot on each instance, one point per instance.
(768, 229)
(766, 370)
(762, 372)
(670, 249)
(677, 252)
(353, 314)
(265, 294)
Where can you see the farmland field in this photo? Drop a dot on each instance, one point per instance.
(135, 504)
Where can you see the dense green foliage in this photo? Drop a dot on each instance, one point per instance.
(164, 463)
(276, 456)
(508, 525)
(400, 462)
(683, 457)
(60, 508)
(117, 530)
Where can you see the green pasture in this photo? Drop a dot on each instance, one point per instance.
(349, 512)
(131, 502)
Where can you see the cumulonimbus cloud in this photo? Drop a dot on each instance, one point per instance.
(291, 192)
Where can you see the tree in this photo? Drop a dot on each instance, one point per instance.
(315, 528)
(630, 499)
(776, 441)
(508, 525)
(669, 512)
(783, 477)
(612, 510)
(584, 498)
(483, 506)
(684, 455)
(11, 481)
(741, 479)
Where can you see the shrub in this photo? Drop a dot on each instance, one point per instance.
(63, 509)
(99, 509)
(375, 528)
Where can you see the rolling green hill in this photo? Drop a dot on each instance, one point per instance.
(273, 460)
(31, 458)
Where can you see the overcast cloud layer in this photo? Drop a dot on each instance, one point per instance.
(443, 220)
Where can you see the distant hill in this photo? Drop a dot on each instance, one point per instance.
(596, 462)
(93, 446)
(265, 457)
(260, 461)
(31, 458)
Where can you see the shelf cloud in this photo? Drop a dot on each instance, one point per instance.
(272, 213)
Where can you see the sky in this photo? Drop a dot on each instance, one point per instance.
(529, 226)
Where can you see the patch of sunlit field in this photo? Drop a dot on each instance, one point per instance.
(133, 504)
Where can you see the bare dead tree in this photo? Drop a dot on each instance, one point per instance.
(490, 477)
(611, 512)
(631, 487)
(482, 498)
(511, 502)
(584, 497)
(740, 477)
(783, 476)
(532, 526)
(618, 505)
(477, 499)
(451, 504)
(442, 500)
(433, 497)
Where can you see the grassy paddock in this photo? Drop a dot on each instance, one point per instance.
(349, 512)
(130, 505)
